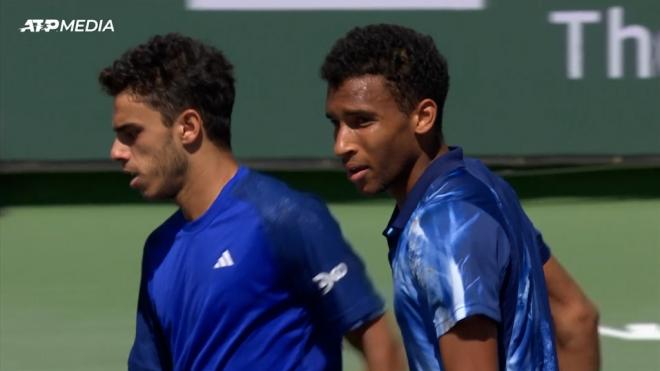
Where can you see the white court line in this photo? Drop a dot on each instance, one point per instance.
(633, 331)
(335, 4)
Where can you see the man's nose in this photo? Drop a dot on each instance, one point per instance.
(344, 144)
(119, 151)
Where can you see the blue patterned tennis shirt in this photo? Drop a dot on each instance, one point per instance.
(461, 246)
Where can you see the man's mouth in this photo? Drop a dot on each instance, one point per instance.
(134, 178)
(356, 172)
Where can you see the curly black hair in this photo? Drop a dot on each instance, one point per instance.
(172, 73)
(409, 61)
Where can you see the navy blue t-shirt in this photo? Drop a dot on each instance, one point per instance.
(262, 280)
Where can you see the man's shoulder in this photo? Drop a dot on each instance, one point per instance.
(496, 183)
(276, 201)
(293, 221)
(459, 196)
(460, 185)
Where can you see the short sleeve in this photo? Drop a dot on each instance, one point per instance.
(512, 200)
(544, 250)
(539, 242)
(457, 254)
(327, 272)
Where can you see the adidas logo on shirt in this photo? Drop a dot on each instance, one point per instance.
(224, 261)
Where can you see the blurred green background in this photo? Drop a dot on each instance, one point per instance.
(510, 90)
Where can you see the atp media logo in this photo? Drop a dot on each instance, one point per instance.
(73, 25)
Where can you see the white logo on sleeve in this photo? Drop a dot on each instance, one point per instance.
(224, 261)
(327, 280)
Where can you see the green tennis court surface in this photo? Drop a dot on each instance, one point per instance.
(69, 274)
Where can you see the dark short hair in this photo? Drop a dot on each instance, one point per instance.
(409, 61)
(173, 73)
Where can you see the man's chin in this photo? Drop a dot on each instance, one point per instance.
(368, 190)
(154, 196)
(148, 196)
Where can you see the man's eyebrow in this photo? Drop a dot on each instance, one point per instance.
(124, 126)
(353, 112)
(359, 112)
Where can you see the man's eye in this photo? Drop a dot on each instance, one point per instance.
(128, 136)
(362, 121)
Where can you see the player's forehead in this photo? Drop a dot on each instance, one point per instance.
(360, 93)
(130, 108)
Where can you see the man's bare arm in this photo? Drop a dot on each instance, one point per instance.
(575, 318)
(379, 345)
(471, 345)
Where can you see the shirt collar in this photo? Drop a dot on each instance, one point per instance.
(438, 167)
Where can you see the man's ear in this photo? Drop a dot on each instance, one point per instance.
(189, 126)
(424, 116)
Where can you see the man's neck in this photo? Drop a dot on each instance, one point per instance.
(207, 175)
(423, 161)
